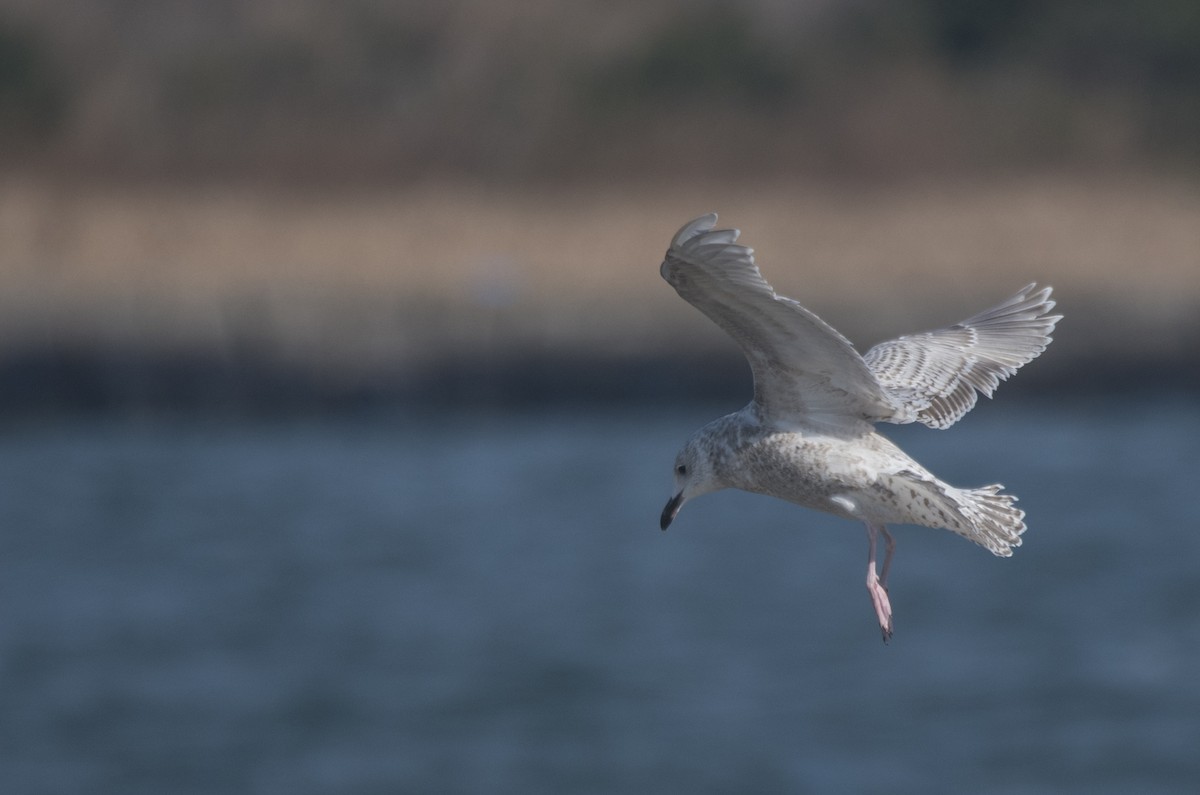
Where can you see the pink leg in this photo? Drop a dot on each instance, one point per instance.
(887, 555)
(875, 584)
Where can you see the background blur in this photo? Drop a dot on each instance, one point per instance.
(339, 392)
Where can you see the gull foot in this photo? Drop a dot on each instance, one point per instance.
(883, 607)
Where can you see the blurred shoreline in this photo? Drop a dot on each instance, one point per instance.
(54, 383)
(233, 296)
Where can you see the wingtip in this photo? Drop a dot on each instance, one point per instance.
(694, 227)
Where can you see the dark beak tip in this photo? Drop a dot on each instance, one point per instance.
(668, 514)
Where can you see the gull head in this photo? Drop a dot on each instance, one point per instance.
(695, 474)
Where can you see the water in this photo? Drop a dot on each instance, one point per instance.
(452, 603)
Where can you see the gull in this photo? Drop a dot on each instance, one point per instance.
(809, 436)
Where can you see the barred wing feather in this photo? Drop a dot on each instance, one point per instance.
(936, 377)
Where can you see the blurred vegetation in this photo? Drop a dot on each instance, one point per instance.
(563, 89)
(32, 93)
(710, 57)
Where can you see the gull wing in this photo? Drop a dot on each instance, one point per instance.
(803, 369)
(935, 377)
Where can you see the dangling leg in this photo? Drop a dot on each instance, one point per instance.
(890, 549)
(875, 585)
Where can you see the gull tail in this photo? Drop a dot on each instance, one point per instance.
(982, 515)
(995, 523)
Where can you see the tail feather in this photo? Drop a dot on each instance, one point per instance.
(995, 522)
(983, 515)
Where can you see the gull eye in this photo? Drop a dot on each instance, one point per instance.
(681, 470)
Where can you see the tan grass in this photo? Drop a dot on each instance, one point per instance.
(376, 277)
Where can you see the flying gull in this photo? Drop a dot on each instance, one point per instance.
(808, 435)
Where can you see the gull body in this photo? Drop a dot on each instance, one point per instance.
(808, 435)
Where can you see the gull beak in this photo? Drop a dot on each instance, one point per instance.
(668, 514)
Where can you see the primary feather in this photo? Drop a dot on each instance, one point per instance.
(936, 377)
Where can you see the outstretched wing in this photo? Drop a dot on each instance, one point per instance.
(935, 377)
(803, 368)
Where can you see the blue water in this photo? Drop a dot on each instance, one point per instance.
(484, 603)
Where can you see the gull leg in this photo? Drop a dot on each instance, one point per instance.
(875, 585)
(890, 549)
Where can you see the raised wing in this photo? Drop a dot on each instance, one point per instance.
(803, 368)
(935, 377)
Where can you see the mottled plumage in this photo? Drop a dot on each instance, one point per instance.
(808, 435)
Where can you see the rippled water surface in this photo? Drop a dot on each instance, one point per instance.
(484, 603)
